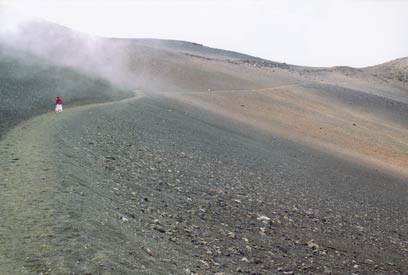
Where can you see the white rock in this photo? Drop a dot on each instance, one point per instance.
(264, 219)
(204, 263)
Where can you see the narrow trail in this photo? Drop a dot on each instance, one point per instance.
(29, 203)
(268, 89)
(27, 180)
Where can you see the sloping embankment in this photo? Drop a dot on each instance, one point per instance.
(156, 187)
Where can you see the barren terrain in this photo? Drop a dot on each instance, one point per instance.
(175, 158)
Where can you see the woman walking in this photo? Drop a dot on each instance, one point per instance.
(58, 105)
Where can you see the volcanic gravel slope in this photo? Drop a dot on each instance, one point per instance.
(227, 164)
(152, 186)
(393, 70)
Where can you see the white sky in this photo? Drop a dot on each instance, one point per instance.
(314, 32)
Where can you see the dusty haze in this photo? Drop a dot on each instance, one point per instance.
(313, 33)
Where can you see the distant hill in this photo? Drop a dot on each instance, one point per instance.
(123, 61)
(189, 48)
(393, 70)
(44, 60)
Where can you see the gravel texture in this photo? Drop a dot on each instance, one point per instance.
(158, 184)
(150, 186)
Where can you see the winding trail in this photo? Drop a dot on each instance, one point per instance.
(30, 201)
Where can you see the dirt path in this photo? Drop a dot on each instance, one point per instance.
(29, 207)
(27, 179)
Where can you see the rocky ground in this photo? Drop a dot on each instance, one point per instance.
(227, 164)
(152, 186)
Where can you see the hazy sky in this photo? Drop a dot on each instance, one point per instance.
(314, 32)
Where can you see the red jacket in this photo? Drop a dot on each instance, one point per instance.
(58, 100)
